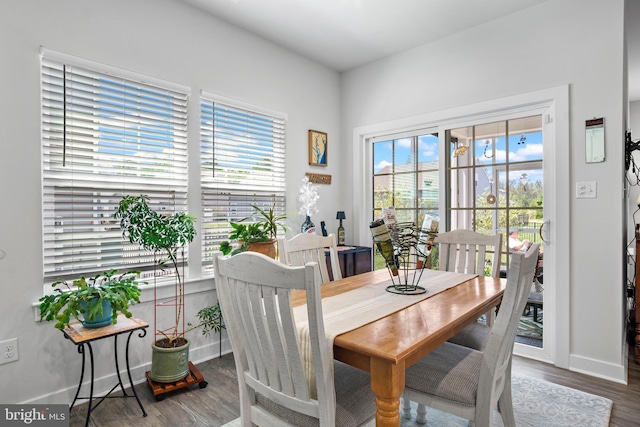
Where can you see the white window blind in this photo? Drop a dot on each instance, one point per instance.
(242, 164)
(104, 136)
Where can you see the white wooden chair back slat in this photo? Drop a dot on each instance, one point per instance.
(304, 248)
(254, 293)
(496, 366)
(465, 251)
(440, 371)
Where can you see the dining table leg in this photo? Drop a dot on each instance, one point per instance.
(387, 382)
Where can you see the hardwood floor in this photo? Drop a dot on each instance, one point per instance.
(217, 403)
(212, 406)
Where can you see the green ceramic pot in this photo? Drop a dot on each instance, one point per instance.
(169, 365)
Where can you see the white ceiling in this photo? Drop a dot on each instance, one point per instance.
(344, 34)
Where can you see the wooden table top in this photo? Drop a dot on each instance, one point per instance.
(409, 334)
(77, 333)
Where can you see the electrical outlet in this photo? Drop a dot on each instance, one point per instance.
(586, 190)
(9, 351)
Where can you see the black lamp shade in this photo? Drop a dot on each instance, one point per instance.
(340, 215)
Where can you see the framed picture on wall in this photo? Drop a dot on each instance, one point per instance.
(318, 145)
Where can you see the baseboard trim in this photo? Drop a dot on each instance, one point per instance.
(103, 384)
(598, 369)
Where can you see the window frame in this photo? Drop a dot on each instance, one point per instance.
(553, 103)
(416, 210)
(69, 189)
(239, 198)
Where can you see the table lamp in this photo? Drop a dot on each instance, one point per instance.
(340, 215)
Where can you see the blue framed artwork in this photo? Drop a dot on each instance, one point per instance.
(318, 145)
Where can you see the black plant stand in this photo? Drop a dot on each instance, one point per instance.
(82, 336)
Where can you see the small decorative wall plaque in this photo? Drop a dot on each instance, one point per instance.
(318, 178)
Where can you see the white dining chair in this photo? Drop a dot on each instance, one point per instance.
(466, 251)
(306, 247)
(254, 292)
(470, 383)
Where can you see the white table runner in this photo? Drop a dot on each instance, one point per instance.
(351, 310)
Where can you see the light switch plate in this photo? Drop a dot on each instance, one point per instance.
(586, 190)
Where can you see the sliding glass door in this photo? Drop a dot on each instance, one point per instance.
(495, 181)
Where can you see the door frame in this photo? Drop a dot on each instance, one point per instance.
(553, 104)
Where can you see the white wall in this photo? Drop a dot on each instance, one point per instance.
(161, 38)
(573, 42)
(570, 42)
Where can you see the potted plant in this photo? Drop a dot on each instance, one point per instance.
(166, 235)
(210, 320)
(96, 301)
(257, 236)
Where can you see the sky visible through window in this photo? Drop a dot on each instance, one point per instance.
(383, 151)
(529, 149)
(522, 148)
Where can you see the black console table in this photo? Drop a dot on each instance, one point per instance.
(353, 260)
(82, 336)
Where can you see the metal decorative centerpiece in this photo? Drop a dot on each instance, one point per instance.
(405, 249)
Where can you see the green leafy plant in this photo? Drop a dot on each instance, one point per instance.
(164, 234)
(250, 232)
(154, 232)
(269, 221)
(245, 232)
(226, 247)
(75, 300)
(210, 320)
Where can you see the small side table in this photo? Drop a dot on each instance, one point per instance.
(82, 336)
(353, 260)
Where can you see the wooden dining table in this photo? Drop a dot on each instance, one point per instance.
(388, 346)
